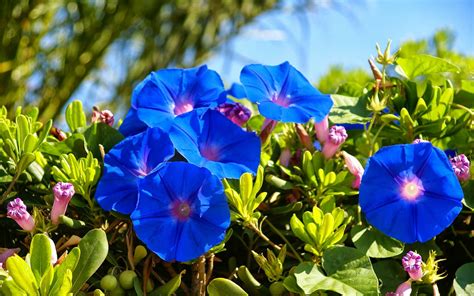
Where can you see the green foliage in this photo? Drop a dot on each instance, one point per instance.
(320, 231)
(221, 286)
(245, 202)
(418, 65)
(464, 281)
(271, 265)
(374, 243)
(348, 272)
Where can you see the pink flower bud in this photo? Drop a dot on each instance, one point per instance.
(304, 137)
(285, 157)
(6, 254)
(404, 289)
(63, 193)
(354, 166)
(412, 264)
(105, 116)
(58, 134)
(322, 129)
(460, 165)
(16, 210)
(267, 128)
(236, 112)
(337, 135)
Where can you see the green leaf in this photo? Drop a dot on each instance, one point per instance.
(75, 116)
(374, 243)
(25, 160)
(423, 64)
(66, 286)
(9, 288)
(21, 273)
(40, 251)
(169, 288)
(349, 110)
(221, 286)
(46, 280)
(94, 248)
(464, 280)
(103, 134)
(137, 287)
(69, 263)
(390, 273)
(352, 267)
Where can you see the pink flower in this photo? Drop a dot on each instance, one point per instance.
(460, 165)
(16, 210)
(418, 141)
(412, 264)
(58, 134)
(105, 116)
(236, 112)
(354, 166)
(267, 128)
(404, 289)
(285, 157)
(322, 129)
(63, 193)
(337, 135)
(304, 137)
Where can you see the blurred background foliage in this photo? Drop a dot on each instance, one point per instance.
(49, 48)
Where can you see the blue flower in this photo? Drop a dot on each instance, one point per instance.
(126, 164)
(410, 192)
(167, 93)
(182, 212)
(284, 94)
(212, 141)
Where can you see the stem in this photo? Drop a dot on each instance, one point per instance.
(210, 267)
(199, 277)
(263, 236)
(435, 290)
(463, 107)
(285, 240)
(10, 188)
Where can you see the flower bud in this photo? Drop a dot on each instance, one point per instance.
(6, 254)
(285, 157)
(337, 135)
(404, 289)
(16, 210)
(412, 264)
(105, 116)
(54, 254)
(63, 193)
(267, 128)
(460, 165)
(236, 112)
(304, 137)
(58, 134)
(322, 129)
(354, 166)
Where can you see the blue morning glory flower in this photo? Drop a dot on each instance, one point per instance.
(410, 192)
(182, 212)
(126, 164)
(212, 141)
(284, 94)
(167, 93)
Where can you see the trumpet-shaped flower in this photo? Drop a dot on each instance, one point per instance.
(337, 135)
(460, 165)
(182, 212)
(126, 164)
(284, 94)
(212, 141)
(412, 264)
(410, 192)
(63, 192)
(167, 93)
(17, 211)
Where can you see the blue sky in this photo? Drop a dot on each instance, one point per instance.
(341, 32)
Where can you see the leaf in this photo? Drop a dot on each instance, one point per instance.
(221, 286)
(11, 289)
(351, 267)
(46, 281)
(94, 248)
(423, 64)
(349, 272)
(349, 110)
(390, 273)
(103, 134)
(40, 251)
(374, 243)
(169, 288)
(21, 273)
(76, 144)
(75, 116)
(69, 263)
(464, 280)
(25, 160)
